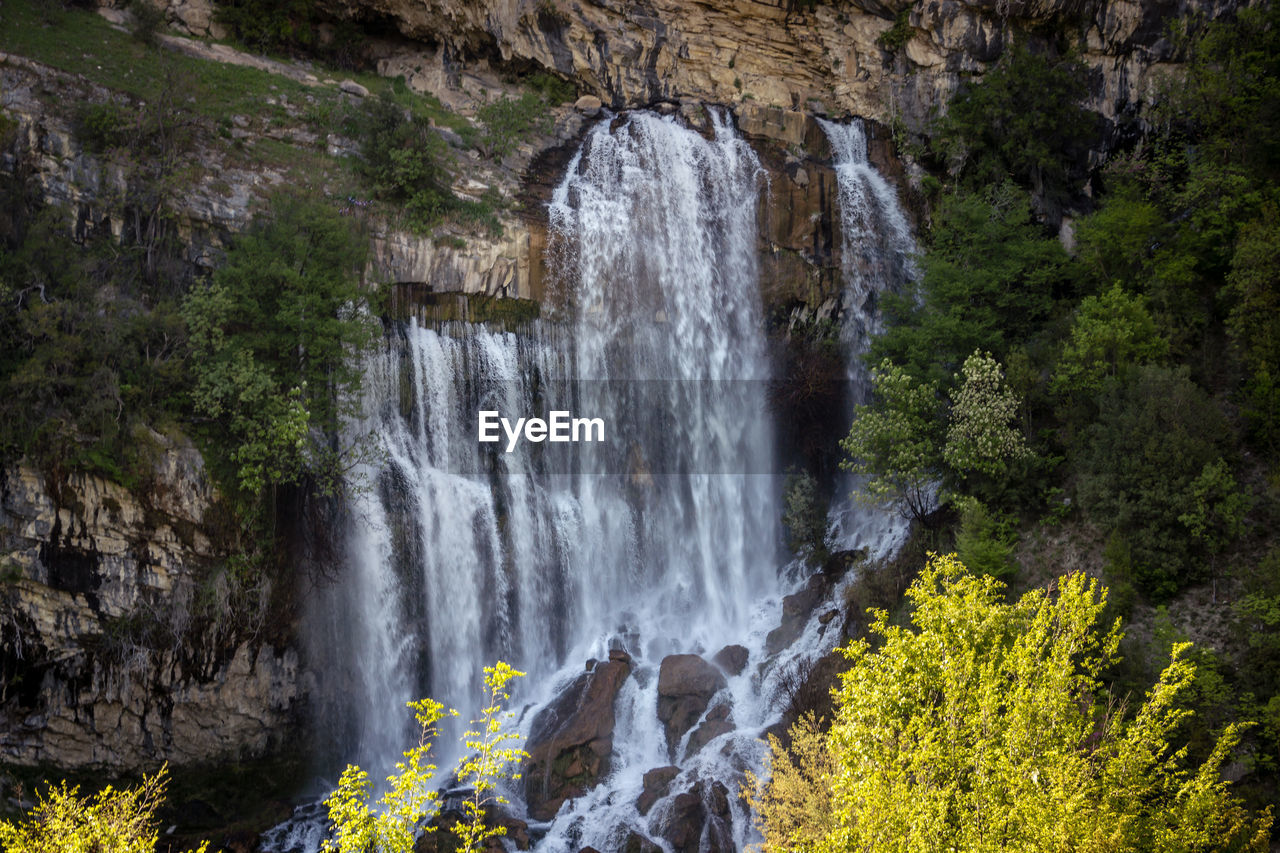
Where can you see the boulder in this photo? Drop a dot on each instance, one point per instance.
(718, 722)
(796, 609)
(637, 843)
(686, 684)
(571, 739)
(732, 659)
(657, 782)
(588, 105)
(351, 87)
(702, 811)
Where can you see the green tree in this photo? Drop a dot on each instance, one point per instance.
(1023, 120)
(1138, 463)
(1253, 292)
(1110, 332)
(985, 725)
(110, 821)
(277, 337)
(895, 443)
(981, 437)
(991, 280)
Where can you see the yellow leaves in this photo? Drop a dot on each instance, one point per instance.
(984, 726)
(110, 821)
(409, 803)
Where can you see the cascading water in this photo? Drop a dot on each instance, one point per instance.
(877, 255)
(662, 540)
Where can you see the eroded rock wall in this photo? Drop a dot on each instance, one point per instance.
(119, 646)
(822, 56)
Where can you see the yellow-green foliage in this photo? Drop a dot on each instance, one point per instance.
(359, 827)
(390, 825)
(986, 726)
(110, 821)
(488, 760)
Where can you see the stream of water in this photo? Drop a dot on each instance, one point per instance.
(663, 539)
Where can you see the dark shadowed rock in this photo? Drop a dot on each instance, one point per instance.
(732, 659)
(704, 809)
(719, 721)
(656, 784)
(444, 837)
(686, 684)
(637, 843)
(571, 739)
(795, 612)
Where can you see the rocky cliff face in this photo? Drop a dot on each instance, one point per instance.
(118, 644)
(225, 194)
(809, 56)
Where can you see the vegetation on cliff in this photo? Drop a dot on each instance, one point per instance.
(1134, 361)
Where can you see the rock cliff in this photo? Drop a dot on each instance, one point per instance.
(833, 57)
(118, 647)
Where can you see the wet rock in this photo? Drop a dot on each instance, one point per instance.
(637, 843)
(732, 659)
(699, 814)
(796, 609)
(657, 782)
(718, 722)
(571, 740)
(686, 684)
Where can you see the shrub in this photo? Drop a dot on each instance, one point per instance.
(1023, 120)
(276, 338)
(110, 821)
(984, 542)
(983, 726)
(804, 514)
(1138, 467)
(509, 120)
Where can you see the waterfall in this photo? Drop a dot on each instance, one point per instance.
(877, 255)
(662, 539)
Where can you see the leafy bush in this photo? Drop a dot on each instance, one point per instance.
(509, 120)
(1023, 120)
(409, 803)
(894, 38)
(110, 821)
(981, 439)
(271, 25)
(804, 515)
(983, 726)
(551, 88)
(984, 542)
(896, 442)
(991, 280)
(405, 161)
(1111, 332)
(80, 373)
(102, 127)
